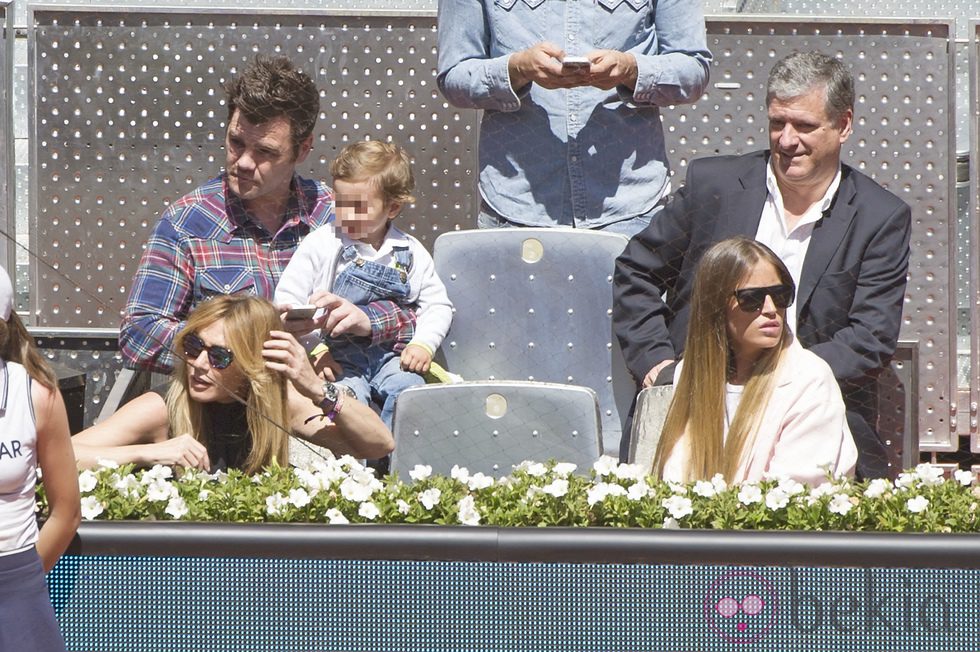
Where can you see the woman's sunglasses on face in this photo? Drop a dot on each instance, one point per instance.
(752, 299)
(218, 356)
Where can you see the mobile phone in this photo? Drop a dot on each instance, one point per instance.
(574, 64)
(301, 312)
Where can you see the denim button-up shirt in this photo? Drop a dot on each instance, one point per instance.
(580, 157)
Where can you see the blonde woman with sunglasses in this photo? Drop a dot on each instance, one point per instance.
(750, 402)
(241, 386)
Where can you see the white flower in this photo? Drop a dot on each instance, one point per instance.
(87, 481)
(605, 465)
(777, 499)
(299, 497)
(790, 487)
(678, 488)
(638, 490)
(718, 481)
(430, 497)
(536, 469)
(564, 469)
(203, 495)
(349, 462)
(670, 523)
(907, 480)
(749, 494)
(840, 504)
(601, 490)
(128, 486)
(479, 481)
(103, 463)
(355, 491)
(315, 482)
(403, 507)
(678, 506)
(929, 474)
(557, 488)
(918, 504)
(460, 473)
(336, 517)
(825, 489)
(158, 473)
(274, 504)
(965, 478)
(160, 490)
(629, 472)
(368, 510)
(365, 476)
(420, 472)
(91, 507)
(467, 511)
(877, 488)
(705, 489)
(177, 508)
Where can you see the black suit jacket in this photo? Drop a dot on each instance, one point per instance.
(852, 285)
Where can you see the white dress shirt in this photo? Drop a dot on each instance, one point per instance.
(790, 244)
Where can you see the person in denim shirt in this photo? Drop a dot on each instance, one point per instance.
(572, 146)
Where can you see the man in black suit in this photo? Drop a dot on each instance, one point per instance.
(844, 238)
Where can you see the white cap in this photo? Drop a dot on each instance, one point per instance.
(6, 295)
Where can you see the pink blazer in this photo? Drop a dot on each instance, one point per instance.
(803, 431)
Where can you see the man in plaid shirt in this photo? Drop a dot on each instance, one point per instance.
(237, 232)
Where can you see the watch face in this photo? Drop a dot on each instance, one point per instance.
(330, 393)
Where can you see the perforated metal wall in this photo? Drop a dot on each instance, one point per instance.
(975, 224)
(6, 142)
(903, 138)
(128, 116)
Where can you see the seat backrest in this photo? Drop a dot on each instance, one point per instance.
(491, 426)
(648, 423)
(536, 304)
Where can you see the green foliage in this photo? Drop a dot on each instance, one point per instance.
(535, 494)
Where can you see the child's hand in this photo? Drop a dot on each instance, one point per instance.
(416, 359)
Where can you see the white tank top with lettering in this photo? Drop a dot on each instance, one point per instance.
(18, 459)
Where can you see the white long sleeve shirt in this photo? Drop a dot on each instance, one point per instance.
(318, 261)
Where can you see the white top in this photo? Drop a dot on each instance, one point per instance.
(790, 245)
(18, 459)
(803, 431)
(318, 261)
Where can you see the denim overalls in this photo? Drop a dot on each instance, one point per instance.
(373, 371)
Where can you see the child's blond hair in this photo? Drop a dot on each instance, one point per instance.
(385, 165)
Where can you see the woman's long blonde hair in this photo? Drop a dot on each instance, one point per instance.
(698, 406)
(247, 322)
(17, 345)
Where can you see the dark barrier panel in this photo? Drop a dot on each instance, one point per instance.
(180, 587)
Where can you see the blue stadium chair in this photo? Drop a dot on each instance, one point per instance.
(491, 426)
(536, 304)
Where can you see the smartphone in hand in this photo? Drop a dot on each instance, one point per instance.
(301, 312)
(575, 64)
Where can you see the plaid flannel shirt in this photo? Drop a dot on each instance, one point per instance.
(206, 244)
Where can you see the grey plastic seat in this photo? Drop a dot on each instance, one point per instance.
(491, 426)
(536, 304)
(648, 423)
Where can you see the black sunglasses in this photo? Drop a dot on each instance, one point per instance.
(218, 356)
(752, 299)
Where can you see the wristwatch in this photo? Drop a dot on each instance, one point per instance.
(331, 394)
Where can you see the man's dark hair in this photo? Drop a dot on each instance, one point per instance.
(271, 87)
(796, 74)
